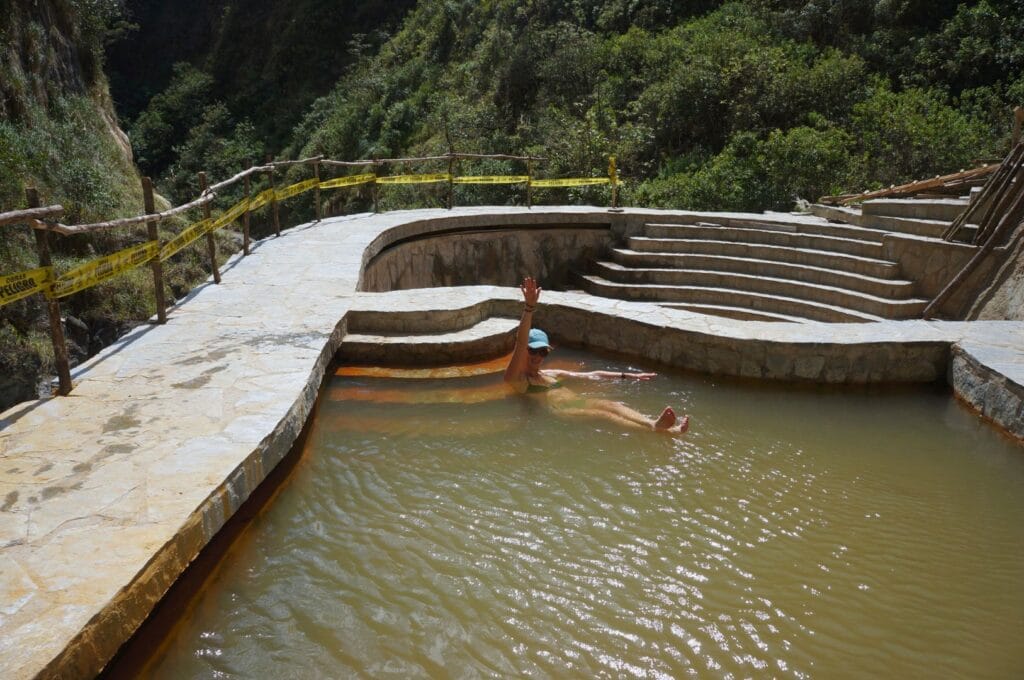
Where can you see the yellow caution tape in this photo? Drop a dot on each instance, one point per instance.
(296, 189)
(347, 181)
(261, 199)
(231, 214)
(91, 273)
(185, 238)
(414, 179)
(16, 286)
(570, 182)
(491, 179)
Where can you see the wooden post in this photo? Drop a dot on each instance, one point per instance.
(155, 264)
(211, 245)
(316, 193)
(245, 217)
(614, 177)
(529, 184)
(60, 347)
(373, 187)
(451, 182)
(273, 201)
(1018, 121)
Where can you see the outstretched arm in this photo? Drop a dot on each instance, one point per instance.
(599, 375)
(516, 368)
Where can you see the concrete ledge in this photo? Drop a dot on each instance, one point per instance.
(988, 379)
(106, 495)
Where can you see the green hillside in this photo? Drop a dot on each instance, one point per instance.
(740, 105)
(736, 105)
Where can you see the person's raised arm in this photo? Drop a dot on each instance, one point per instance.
(600, 375)
(516, 368)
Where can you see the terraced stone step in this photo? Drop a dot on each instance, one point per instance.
(488, 338)
(804, 226)
(870, 266)
(944, 209)
(754, 301)
(849, 246)
(738, 313)
(928, 228)
(680, 272)
(885, 307)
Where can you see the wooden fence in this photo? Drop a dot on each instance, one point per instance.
(45, 221)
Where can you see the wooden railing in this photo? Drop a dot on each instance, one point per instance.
(46, 221)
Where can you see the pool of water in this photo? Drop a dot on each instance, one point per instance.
(792, 533)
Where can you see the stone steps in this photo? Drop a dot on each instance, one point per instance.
(766, 236)
(915, 226)
(797, 277)
(887, 285)
(485, 339)
(892, 307)
(744, 299)
(868, 266)
(820, 227)
(944, 209)
(774, 266)
(738, 313)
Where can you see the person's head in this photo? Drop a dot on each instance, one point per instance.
(537, 346)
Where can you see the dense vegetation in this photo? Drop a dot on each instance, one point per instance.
(705, 103)
(740, 105)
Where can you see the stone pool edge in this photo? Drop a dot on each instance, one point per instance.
(971, 380)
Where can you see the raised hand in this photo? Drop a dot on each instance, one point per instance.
(531, 291)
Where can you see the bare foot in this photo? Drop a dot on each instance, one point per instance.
(666, 420)
(684, 425)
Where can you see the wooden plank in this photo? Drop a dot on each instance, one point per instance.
(911, 187)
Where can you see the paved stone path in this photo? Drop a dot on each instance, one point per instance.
(107, 494)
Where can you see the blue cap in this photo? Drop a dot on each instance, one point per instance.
(538, 339)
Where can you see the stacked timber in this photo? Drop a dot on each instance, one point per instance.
(1003, 212)
(997, 197)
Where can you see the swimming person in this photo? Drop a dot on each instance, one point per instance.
(525, 376)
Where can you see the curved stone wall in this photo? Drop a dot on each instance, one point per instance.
(494, 256)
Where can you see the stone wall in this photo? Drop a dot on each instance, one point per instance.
(1004, 298)
(995, 396)
(498, 256)
(932, 264)
(815, 357)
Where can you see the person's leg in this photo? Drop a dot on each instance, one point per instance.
(663, 422)
(601, 414)
(618, 412)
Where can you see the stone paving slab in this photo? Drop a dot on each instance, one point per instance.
(106, 495)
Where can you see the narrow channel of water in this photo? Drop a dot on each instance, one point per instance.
(793, 533)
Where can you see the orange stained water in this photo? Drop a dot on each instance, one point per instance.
(793, 533)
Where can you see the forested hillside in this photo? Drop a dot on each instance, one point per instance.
(204, 85)
(740, 105)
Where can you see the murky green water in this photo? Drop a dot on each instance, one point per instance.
(791, 534)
